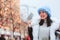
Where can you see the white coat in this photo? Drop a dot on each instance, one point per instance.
(40, 32)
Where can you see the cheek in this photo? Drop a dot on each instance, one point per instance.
(45, 16)
(42, 16)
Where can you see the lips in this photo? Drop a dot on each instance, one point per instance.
(42, 16)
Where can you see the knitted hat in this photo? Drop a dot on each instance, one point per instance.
(46, 9)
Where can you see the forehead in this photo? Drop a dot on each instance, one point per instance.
(43, 11)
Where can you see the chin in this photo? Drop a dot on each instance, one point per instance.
(43, 18)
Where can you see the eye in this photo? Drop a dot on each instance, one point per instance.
(40, 12)
(43, 11)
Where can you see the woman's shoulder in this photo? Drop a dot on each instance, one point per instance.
(56, 20)
(55, 23)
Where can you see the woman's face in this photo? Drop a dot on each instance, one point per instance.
(43, 15)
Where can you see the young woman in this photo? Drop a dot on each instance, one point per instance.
(44, 26)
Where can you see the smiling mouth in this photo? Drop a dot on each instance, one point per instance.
(42, 16)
